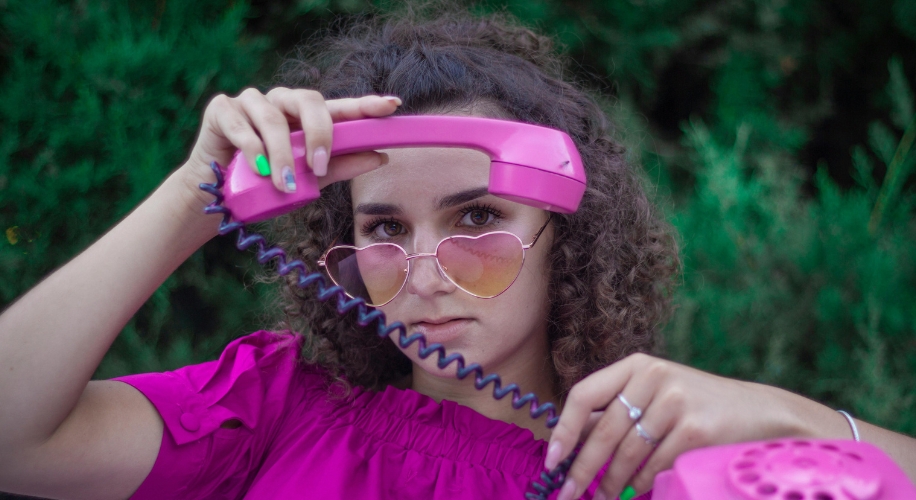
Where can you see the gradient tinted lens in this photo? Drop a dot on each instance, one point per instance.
(374, 274)
(484, 266)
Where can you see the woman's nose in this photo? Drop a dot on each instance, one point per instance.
(426, 278)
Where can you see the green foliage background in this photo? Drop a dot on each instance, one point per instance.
(777, 134)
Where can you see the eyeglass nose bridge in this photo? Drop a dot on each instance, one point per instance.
(412, 256)
(439, 267)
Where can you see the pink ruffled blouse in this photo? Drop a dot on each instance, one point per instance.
(297, 441)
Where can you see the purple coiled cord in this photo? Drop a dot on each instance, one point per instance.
(552, 480)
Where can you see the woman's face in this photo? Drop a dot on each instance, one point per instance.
(424, 195)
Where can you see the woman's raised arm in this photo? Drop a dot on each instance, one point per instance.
(58, 435)
(63, 436)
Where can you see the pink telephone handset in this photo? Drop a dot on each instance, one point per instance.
(785, 469)
(530, 164)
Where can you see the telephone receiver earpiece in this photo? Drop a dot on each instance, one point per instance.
(529, 164)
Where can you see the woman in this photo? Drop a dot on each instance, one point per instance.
(335, 411)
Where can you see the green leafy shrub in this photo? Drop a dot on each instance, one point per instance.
(815, 293)
(102, 99)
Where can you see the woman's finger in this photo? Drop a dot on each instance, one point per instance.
(638, 444)
(674, 444)
(667, 411)
(317, 116)
(232, 123)
(309, 108)
(612, 434)
(356, 108)
(602, 440)
(273, 128)
(592, 421)
(349, 108)
(346, 167)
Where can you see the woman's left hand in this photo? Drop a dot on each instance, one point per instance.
(681, 408)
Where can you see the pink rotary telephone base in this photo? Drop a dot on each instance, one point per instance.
(785, 469)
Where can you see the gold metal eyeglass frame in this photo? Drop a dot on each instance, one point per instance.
(411, 256)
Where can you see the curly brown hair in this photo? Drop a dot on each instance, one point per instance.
(613, 262)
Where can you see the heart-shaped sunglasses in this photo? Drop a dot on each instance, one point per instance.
(483, 266)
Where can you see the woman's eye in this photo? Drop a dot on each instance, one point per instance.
(477, 218)
(382, 229)
(391, 228)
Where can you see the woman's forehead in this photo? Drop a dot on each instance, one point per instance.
(422, 177)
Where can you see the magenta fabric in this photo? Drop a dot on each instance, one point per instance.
(297, 441)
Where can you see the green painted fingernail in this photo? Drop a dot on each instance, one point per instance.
(263, 166)
(628, 493)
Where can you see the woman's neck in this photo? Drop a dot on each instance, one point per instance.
(532, 371)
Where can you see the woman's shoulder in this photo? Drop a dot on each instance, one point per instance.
(251, 380)
(269, 353)
(221, 417)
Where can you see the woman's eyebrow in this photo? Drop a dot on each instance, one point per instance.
(441, 204)
(461, 197)
(378, 209)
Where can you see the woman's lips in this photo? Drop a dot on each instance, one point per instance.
(445, 331)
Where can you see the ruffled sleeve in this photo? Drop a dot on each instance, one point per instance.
(247, 387)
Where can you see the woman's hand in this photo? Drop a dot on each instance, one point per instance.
(680, 408)
(260, 124)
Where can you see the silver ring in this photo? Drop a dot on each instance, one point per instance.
(641, 432)
(635, 412)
